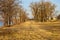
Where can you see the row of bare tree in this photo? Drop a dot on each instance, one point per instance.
(42, 11)
(13, 13)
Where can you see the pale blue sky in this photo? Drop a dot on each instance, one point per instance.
(26, 4)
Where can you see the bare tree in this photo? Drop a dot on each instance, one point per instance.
(20, 16)
(8, 7)
(42, 10)
(58, 17)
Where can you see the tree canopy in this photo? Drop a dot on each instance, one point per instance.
(9, 8)
(42, 10)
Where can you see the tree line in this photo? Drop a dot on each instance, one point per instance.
(11, 10)
(14, 13)
(42, 10)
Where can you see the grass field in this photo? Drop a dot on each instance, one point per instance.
(31, 31)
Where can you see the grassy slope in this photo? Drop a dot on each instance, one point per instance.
(31, 31)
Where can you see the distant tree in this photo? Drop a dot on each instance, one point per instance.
(58, 17)
(42, 10)
(20, 16)
(23, 16)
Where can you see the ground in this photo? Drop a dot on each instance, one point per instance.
(31, 30)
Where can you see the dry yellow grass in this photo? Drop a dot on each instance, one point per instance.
(30, 31)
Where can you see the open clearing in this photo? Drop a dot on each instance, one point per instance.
(31, 30)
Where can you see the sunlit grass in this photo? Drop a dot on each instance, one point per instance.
(30, 31)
